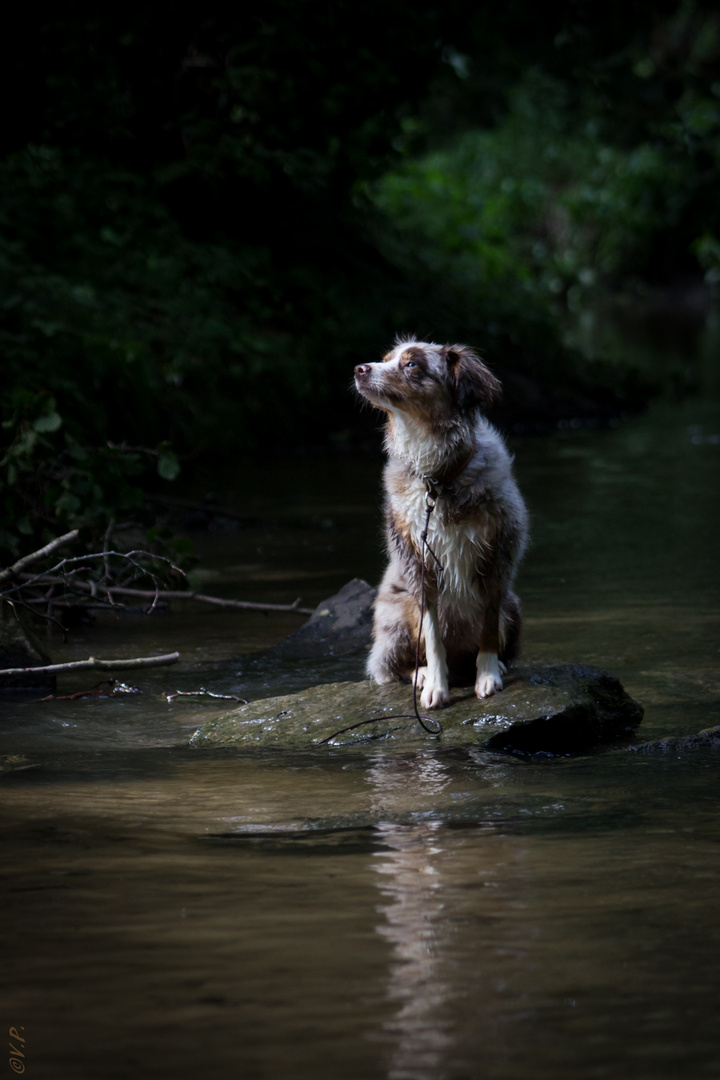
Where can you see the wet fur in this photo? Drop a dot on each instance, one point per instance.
(433, 396)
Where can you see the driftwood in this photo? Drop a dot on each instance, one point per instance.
(36, 556)
(98, 579)
(92, 664)
(18, 586)
(202, 692)
(170, 594)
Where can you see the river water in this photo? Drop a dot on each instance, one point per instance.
(178, 913)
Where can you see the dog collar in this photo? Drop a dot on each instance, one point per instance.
(433, 484)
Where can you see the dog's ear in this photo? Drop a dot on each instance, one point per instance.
(475, 385)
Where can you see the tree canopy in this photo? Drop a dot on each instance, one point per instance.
(208, 219)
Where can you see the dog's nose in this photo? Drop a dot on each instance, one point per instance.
(362, 369)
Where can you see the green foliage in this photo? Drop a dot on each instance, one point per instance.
(180, 263)
(542, 208)
(207, 221)
(50, 482)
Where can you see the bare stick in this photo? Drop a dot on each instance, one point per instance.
(18, 601)
(106, 542)
(205, 693)
(35, 556)
(92, 664)
(45, 575)
(162, 594)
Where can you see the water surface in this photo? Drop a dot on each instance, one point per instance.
(429, 914)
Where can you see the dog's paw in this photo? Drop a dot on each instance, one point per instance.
(434, 696)
(489, 680)
(487, 685)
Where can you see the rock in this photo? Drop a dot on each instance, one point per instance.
(549, 710)
(340, 625)
(583, 707)
(20, 648)
(709, 739)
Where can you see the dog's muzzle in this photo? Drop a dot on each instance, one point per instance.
(363, 373)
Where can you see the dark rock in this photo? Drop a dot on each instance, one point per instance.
(549, 710)
(709, 739)
(20, 648)
(587, 706)
(338, 626)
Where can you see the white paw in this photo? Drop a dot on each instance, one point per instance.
(435, 693)
(434, 696)
(489, 679)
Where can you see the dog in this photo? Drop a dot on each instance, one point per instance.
(441, 448)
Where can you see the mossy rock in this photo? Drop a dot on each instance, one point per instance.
(562, 709)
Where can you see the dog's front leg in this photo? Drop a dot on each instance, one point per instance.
(488, 679)
(434, 677)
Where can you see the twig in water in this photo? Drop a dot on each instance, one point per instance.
(67, 568)
(117, 689)
(20, 584)
(170, 594)
(204, 693)
(92, 664)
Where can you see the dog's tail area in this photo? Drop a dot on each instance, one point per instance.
(510, 628)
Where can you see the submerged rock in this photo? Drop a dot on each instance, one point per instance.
(709, 739)
(559, 709)
(19, 648)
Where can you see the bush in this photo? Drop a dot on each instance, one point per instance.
(543, 209)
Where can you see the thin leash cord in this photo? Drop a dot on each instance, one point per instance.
(425, 722)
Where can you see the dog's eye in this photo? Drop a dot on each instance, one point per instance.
(411, 363)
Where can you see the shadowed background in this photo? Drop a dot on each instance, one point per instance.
(207, 220)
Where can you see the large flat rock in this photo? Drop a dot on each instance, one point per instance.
(561, 709)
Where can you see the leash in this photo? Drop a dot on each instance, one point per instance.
(425, 722)
(433, 485)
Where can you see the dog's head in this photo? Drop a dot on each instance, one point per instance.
(432, 383)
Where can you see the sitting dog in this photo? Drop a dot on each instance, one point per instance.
(441, 448)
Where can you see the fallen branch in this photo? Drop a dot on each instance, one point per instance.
(202, 692)
(65, 574)
(91, 664)
(163, 594)
(46, 577)
(201, 598)
(35, 556)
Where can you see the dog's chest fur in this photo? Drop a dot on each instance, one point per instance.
(457, 545)
(464, 521)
